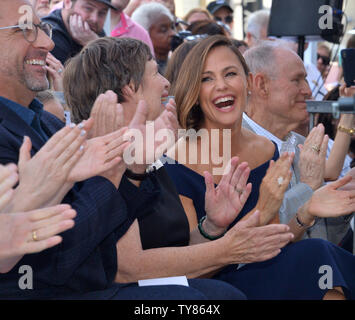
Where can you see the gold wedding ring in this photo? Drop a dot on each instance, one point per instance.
(34, 235)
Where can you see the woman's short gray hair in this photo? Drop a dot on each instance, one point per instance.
(147, 14)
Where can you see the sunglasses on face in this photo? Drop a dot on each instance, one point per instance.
(227, 19)
(325, 60)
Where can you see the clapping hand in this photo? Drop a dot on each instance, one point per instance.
(8, 179)
(30, 232)
(224, 203)
(165, 126)
(313, 158)
(273, 188)
(104, 151)
(247, 242)
(44, 174)
(329, 202)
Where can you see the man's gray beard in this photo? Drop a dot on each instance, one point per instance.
(36, 85)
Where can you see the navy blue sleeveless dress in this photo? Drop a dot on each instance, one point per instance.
(303, 270)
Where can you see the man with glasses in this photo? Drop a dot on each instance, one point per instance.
(84, 266)
(78, 23)
(222, 12)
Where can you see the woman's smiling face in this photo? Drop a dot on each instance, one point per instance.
(223, 93)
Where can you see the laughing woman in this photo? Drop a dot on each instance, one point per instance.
(211, 94)
(159, 242)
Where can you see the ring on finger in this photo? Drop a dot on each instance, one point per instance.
(280, 181)
(315, 148)
(60, 70)
(240, 191)
(34, 235)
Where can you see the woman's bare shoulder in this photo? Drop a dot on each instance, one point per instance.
(259, 148)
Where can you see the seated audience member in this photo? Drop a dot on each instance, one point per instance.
(123, 26)
(42, 7)
(141, 243)
(323, 60)
(256, 33)
(182, 250)
(51, 103)
(135, 4)
(31, 232)
(159, 22)
(256, 28)
(241, 45)
(58, 157)
(222, 12)
(207, 27)
(211, 94)
(85, 264)
(275, 108)
(79, 22)
(197, 14)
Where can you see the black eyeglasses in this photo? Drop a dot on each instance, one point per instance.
(227, 19)
(325, 60)
(30, 31)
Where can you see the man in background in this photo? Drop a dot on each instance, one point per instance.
(78, 23)
(222, 12)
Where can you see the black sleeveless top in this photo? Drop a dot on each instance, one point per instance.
(166, 223)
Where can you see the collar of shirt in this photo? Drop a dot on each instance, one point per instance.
(123, 26)
(30, 115)
(26, 114)
(287, 145)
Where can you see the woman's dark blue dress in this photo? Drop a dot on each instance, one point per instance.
(303, 270)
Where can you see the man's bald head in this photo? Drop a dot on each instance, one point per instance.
(280, 88)
(268, 58)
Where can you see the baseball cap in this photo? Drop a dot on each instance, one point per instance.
(216, 5)
(108, 3)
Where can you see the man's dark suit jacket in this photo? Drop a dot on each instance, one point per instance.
(85, 263)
